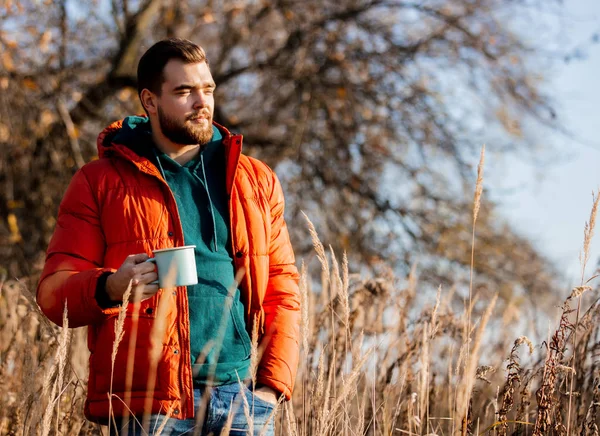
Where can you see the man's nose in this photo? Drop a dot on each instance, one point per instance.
(199, 100)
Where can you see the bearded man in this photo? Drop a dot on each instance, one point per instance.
(170, 179)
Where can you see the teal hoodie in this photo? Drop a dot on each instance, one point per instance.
(219, 342)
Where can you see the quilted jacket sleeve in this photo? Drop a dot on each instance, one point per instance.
(281, 305)
(74, 258)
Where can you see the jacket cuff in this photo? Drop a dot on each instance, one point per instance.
(101, 295)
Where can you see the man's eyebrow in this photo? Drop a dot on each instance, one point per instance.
(186, 86)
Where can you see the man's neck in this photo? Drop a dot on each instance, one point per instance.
(181, 154)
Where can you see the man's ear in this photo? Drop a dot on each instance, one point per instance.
(148, 99)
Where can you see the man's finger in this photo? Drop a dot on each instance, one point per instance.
(139, 258)
(148, 277)
(146, 289)
(152, 289)
(144, 278)
(143, 268)
(148, 292)
(138, 289)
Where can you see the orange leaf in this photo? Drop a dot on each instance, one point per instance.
(46, 118)
(74, 132)
(124, 94)
(169, 16)
(7, 61)
(4, 133)
(13, 226)
(30, 84)
(15, 204)
(45, 41)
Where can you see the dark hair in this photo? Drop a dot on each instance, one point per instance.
(152, 64)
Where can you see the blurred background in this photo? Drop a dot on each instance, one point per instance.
(547, 194)
(372, 112)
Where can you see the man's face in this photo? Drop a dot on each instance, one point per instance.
(186, 104)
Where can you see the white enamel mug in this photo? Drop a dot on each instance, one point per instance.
(175, 266)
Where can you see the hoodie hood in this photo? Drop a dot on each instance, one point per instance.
(130, 132)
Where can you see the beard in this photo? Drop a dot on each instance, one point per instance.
(184, 133)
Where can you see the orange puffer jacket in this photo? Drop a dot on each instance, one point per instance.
(120, 205)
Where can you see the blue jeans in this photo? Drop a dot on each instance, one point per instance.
(224, 400)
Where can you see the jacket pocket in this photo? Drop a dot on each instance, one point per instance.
(237, 318)
(132, 350)
(134, 372)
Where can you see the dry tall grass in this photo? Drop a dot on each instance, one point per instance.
(372, 362)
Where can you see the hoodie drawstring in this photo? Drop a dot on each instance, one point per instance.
(160, 167)
(212, 212)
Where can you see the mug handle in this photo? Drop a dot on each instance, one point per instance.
(152, 260)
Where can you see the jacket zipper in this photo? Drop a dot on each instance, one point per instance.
(180, 306)
(182, 310)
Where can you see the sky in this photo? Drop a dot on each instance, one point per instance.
(550, 204)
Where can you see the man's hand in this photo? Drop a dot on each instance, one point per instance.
(267, 394)
(139, 272)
